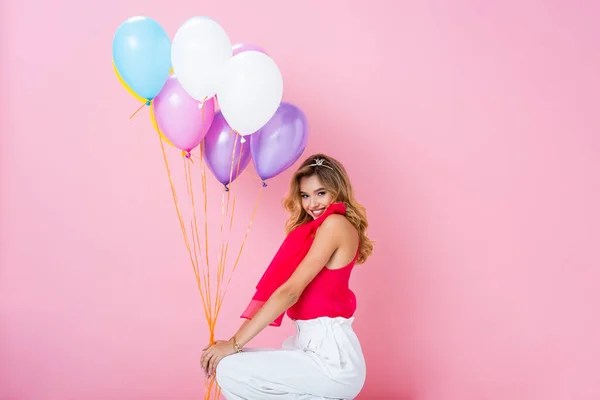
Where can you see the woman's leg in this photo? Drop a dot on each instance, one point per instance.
(278, 374)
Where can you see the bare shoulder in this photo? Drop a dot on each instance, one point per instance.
(336, 222)
(339, 231)
(340, 226)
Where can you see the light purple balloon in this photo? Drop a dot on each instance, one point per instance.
(218, 151)
(277, 145)
(181, 118)
(241, 47)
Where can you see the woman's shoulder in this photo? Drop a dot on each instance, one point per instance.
(337, 221)
(338, 224)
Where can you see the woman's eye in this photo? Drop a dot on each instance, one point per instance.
(304, 196)
(321, 193)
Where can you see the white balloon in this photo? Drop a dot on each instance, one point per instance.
(250, 92)
(199, 52)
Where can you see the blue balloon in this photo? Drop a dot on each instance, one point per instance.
(142, 54)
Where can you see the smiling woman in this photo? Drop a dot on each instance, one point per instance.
(315, 198)
(328, 174)
(309, 279)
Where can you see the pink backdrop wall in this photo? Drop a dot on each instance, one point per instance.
(470, 130)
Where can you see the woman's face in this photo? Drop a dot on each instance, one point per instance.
(315, 198)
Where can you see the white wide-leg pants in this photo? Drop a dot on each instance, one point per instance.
(323, 361)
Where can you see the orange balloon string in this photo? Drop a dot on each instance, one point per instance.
(196, 251)
(203, 275)
(187, 185)
(208, 385)
(211, 320)
(221, 254)
(137, 111)
(207, 282)
(196, 238)
(234, 199)
(222, 258)
(212, 307)
(230, 179)
(233, 155)
(232, 212)
(237, 174)
(211, 325)
(194, 222)
(181, 223)
(225, 252)
(237, 260)
(237, 135)
(222, 212)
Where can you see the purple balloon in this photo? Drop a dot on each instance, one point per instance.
(241, 47)
(277, 145)
(218, 151)
(183, 120)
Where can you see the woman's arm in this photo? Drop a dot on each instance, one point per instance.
(325, 244)
(327, 241)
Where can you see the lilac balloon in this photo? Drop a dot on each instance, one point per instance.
(277, 145)
(183, 120)
(241, 47)
(218, 151)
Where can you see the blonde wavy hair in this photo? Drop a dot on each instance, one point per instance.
(334, 178)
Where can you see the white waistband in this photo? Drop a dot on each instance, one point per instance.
(322, 322)
(332, 342)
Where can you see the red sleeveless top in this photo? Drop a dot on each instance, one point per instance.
(328, 295)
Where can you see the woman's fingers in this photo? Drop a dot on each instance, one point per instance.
(212, 365)
(216, 364)
(206, 359)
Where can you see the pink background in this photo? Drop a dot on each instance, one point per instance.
(470, 129)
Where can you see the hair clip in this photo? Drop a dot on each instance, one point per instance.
(320, 162)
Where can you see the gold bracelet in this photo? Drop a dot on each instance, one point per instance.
(236, 346)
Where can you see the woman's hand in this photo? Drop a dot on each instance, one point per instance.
(215, 353)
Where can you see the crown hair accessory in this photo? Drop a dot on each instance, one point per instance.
(320, 162)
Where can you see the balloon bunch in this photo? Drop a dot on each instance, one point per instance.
(186, 80)
(223, 101)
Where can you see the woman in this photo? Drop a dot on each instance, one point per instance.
(308, 279)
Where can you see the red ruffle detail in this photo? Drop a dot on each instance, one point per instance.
(290, 254)
(253, 308)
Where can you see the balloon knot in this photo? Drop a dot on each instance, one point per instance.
(148, 103)
(264, 184)
(186, 154)
(226, 188)
(242, 140)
